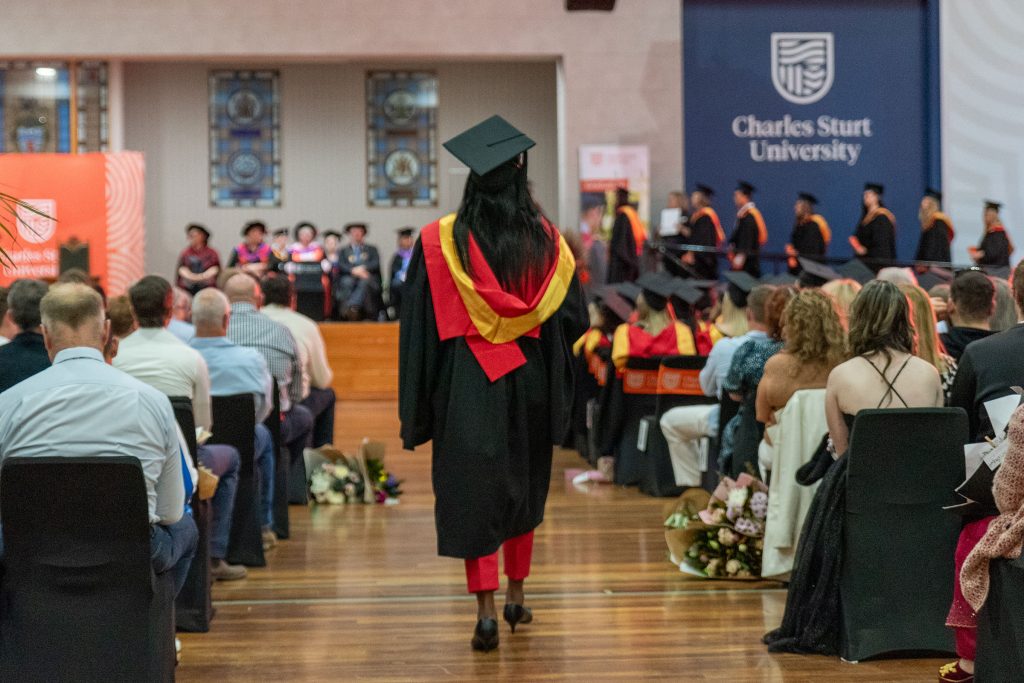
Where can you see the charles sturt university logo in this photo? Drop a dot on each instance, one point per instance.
(803, 65)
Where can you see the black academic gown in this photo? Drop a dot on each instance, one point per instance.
(703, 233)
(808, 240)
(996, 246)
(746, 239)
(934, 243)
(623, 262)
(878, 236)
(492, 442)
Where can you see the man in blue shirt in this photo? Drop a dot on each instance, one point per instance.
(234, 370)
(25, 354)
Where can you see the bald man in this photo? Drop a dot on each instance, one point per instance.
(82, 407)
(250, 328)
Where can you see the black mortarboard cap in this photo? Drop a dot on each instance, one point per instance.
(816, 274)
(745, 187)
(856, 270)
(808, 197)
(280, 231)
(332, 233)
(877, 188)
(995, 206)
(196, 226)
(705, 190)
(305, 224)
(688, 293)
(349, 226)
(779, 279)
(488, 145)
(614, 302)
(740, 284)
(253, 225)
(406, 232)
(933, 193)
(659, 284)
(702, 284)
(628, 290)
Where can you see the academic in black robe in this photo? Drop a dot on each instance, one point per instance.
(878, 236)
(808, 240)
(703, 233)
(623, 261)
(934, 243)
(492, 442)
(997, 250)
(746, 239)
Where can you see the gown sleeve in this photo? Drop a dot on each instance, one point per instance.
(418, 356)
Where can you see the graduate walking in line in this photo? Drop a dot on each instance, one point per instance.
(936, 231)
(995, 248)
(874, 240)
(492, 308)
(811, 234)
(750, 233)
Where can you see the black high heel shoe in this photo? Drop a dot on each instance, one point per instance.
(517, 614)
(485, 636)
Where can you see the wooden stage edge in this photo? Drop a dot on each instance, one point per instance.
(364, 358)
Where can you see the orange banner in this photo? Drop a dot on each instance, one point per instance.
(94, 204)
(639, 381)
(679, 382)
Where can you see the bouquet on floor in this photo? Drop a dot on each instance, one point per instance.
(386, 487)
(337, 483)
(338, 479)
(723, 539)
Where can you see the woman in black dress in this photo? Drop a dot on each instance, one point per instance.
(492, 309)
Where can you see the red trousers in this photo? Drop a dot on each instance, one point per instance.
(961, 617)
(482, 572)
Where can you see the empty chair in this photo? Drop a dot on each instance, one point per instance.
(79, 599)
(678, 385)
(1001, 625)
(896, 578)
(631, 395)
(193, 608)
(234, 424)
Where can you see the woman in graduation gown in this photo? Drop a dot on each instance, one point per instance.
(486, 367)
(995, 248)
(936, 231)
(627, 243)
(656, 333)
(874, 241)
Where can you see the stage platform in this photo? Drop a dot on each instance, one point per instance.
(364, 357)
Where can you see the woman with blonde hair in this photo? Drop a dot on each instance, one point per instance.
(814, 339)
(843, 292)
(929, 345)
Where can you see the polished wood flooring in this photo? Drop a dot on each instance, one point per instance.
(359, 594)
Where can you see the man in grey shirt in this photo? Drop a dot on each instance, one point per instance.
(81, 406)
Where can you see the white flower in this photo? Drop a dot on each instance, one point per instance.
(737, 497)
(335, 497)
(732, 567)
(340, 471)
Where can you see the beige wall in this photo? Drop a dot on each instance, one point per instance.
(621, 71)
(323, 146)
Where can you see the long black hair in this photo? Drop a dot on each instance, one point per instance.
(505, 221)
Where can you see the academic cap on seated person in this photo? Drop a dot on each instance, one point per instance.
(196, 226)
(253, 225)
(628, 291)
(688, 293)
(486, 146)
(351, 226)
(740, 285)
(332, 233)
(779, 279)
(610, 298)
(280, 231)
(405, 232)
(856, 270)
(657, 288)
(816, 274)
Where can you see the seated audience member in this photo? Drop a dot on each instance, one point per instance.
(25, 355)
(359, 280)
(972, 300)
(122, 323)
(250, 328)
(982, 541)
(237, 370)
(814, 343)
(180, 325)
(843, 292)
(989, 368)
(897, 276)
(655, 333)
(732, 320)
(252, 254)
(198, 264)
(1006, 314)
(7, 328)
(400, 267)
(156, 357)
(685, 426)
(929, 346)
(307, 269)
(882, 373)
(744, 432)
(318, 396)
(939, 295)
(82, 407)
(279, 256)
(79, 276)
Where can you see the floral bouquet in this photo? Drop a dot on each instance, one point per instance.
(386, 487)
(337, 483)
(723, 540)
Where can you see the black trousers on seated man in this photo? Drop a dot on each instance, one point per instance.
(296, 431)
(320, 404)
(357, 299)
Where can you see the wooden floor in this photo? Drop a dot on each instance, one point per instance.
(359, 594)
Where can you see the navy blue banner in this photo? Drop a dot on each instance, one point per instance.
(812, 96)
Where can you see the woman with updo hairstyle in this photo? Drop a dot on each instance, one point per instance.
(883, 372)
(814, 339)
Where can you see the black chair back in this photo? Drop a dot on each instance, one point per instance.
(1001, 625)
(631, 395)
(896, 578)
(193, 608)
(79, 600)
(234, 424)
(281, 469)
